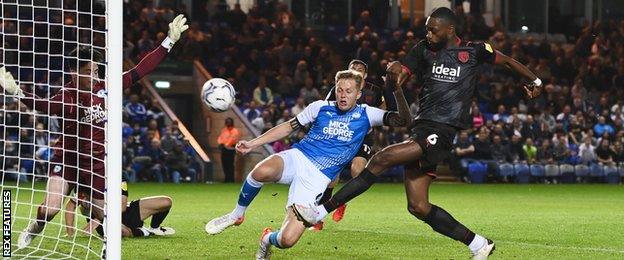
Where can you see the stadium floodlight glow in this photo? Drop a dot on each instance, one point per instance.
(162, 84)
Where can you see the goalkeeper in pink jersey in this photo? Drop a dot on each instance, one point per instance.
(78, 160)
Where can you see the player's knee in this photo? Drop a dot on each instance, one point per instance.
(263, 174)
(418, 209)
(382, 160)
(167, 202)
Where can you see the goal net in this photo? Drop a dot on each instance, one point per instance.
(55, 133)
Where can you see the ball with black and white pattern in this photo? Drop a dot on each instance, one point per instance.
(218, 94)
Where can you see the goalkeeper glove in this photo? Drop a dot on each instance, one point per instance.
(176, 28)
(8, 83)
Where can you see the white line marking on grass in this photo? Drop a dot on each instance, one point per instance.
(607, 250)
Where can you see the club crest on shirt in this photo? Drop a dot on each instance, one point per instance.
(463, 56)
(356, 115)
(102, 93)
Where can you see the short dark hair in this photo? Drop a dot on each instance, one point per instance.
(445, 14)
(356, 61)
(82, 55)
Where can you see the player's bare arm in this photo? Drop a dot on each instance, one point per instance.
(276, 133)
(534, 88)
(403, 118)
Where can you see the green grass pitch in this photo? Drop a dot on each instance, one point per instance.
(526, 222)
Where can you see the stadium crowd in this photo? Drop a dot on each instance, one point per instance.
(279, 65)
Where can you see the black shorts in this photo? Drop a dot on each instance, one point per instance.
(131, 218)
(436, 141)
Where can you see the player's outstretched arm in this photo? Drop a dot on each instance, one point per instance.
(151, 61)
(52, 106)
(394, 81)
(7, 82)
(276, 133)
(534, 88)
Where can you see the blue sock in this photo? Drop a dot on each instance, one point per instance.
(249, 191)
(273, 239)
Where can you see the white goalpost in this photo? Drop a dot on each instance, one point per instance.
(60, 132)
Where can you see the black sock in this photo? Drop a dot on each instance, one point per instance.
(326, 195)
(352, 189)
(100, 230)
(137, 232)
(158, 218)
(443, 223)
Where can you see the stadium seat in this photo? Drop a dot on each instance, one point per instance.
(506, 170)
(537, 170)
(477, 172)
(567, 173)
(612, 174)
(596, 173)
(551, 170)
(523, 173)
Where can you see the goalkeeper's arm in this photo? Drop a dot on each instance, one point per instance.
(53, 106)
(151, 61)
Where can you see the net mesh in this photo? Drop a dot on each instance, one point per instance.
(57, 128)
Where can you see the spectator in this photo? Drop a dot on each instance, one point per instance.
(263, 123)
(602, 127)
(149, 158)
(530, 151)
(561, 151)
(545, 154)
(309, 93)
(482, 145)
(252, 112)
(604, 154)
(285, 83)
(499, 151)
(478, 120)
(516, 151)
(298, 107)
(155, 113)
(501, 115)
(227, 141)
(462, 151)
(263, 95)
(178, 165)
(136, 111)
(285, 117)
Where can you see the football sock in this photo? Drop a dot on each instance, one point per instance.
(248, 192)
(158, 218)
(274, 239)
(352, 189)
(326, 195)
(477, 243)
(140, 232)
(443, 223)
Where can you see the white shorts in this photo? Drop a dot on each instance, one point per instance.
(307, 183)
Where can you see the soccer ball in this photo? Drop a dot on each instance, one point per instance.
(218, 94)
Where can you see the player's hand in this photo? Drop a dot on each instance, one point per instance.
(533, 90)
(244, 147)
(177, 27)
(396, 69)
(8, 83)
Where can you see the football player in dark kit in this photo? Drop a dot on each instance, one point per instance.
(448, 69)
(372, 95)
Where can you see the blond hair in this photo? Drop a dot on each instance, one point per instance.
(350, 74)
